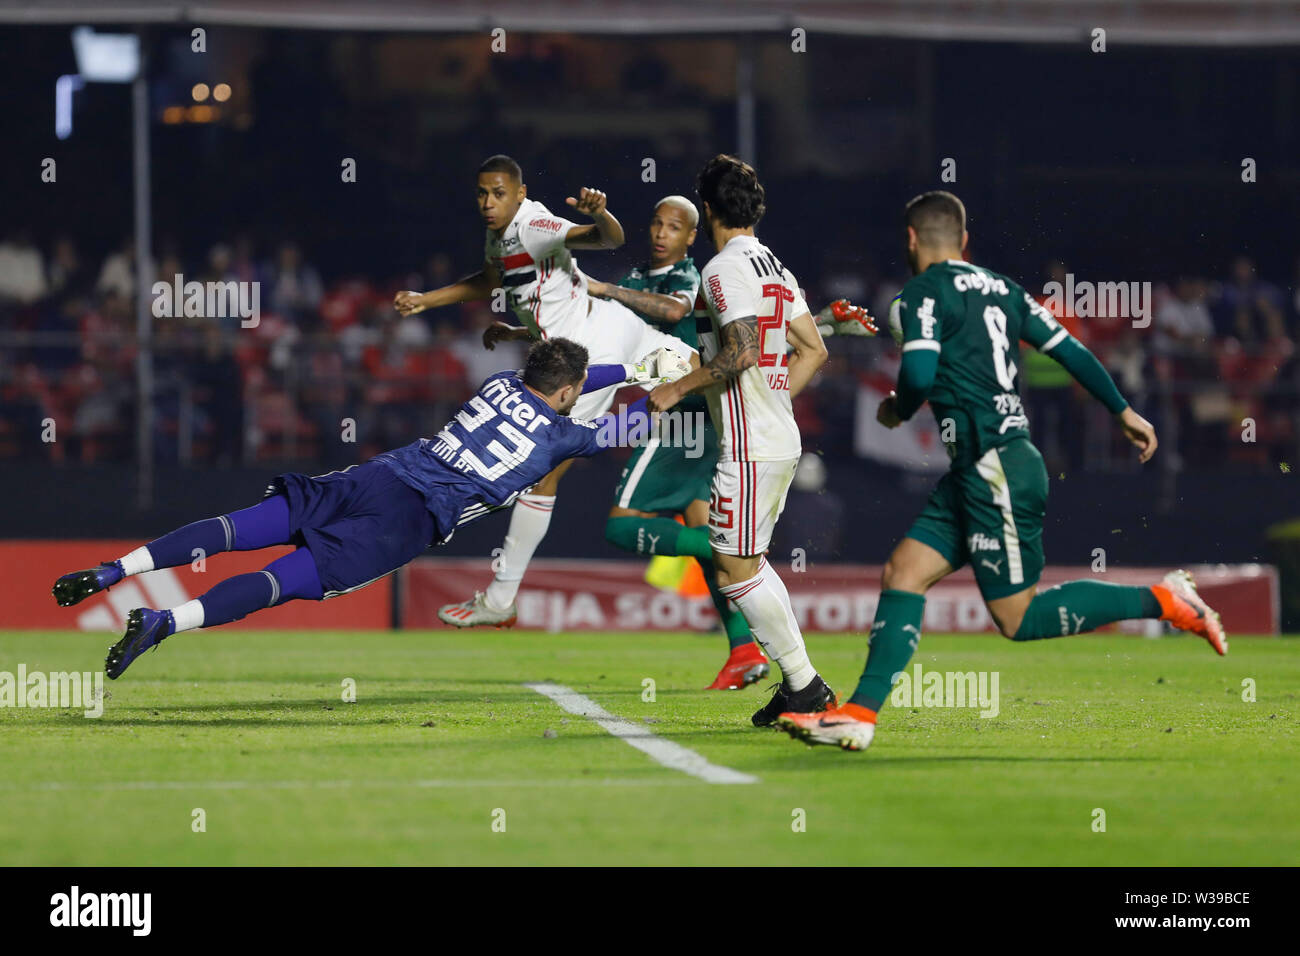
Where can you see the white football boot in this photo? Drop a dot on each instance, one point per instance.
(476, 613)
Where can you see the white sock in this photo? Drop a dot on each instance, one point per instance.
(188, 616)
(137, 562)
(765, 603)
(529, 520)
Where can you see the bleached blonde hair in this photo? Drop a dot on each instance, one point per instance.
(685, 205)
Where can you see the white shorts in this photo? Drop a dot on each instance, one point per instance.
(745, 500)
(615, 334)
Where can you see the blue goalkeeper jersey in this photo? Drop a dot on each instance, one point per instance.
(502, 442)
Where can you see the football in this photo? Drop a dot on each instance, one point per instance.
(895, 321)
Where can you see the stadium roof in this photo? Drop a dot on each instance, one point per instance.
(1127, 22)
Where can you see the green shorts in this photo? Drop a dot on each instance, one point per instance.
(991, 515)
(671, 470)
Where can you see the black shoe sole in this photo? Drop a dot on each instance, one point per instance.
(113, 667)
(74, 588)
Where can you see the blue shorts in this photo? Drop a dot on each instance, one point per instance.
(360, 524)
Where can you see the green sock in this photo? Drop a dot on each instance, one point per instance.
(695, 542)
(894, 636)
(657, 536)
(1078, 606)
(738, 633)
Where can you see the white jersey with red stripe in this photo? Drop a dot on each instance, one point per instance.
(752, 412)
(543, 284)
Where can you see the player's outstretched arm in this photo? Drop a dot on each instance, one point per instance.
(651, 305)
(471, 288)
(1042, 331)
(603, 233)
(738, 351)
(504, 332)
(809, 351)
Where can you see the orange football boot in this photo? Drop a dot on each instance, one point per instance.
(1182, 607)
(745, 665)
(849, 727)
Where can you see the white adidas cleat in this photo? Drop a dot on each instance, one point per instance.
(477, 613)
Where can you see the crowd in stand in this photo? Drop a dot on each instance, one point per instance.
(332, 372)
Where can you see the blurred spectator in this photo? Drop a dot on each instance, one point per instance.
(1250, 309)
(22, 270)
(1182, 323)
(117, 275)
(218, 395)
(478, 362)
(243, 263)
(295, 286)
(68, 277)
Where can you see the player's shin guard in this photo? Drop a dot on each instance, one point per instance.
(894, 636)
(765, 603)
(293, 576)
(529, 519)
(261, 526)
(1078, 606)
(738, 633)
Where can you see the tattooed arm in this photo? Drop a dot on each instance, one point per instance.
(739, 351)
(651, 305)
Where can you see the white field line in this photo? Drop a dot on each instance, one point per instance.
(671, 755)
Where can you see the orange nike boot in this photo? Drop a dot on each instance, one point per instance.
(1182, 607)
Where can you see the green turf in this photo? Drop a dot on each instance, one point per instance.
(252, 728)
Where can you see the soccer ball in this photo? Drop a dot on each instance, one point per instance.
(895, 320)
(661, 366)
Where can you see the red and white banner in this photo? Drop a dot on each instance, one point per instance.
(561, 595)
(29, 569)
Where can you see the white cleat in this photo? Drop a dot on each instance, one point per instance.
(477, 613)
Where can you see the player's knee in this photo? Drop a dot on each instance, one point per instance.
(1008, 623)
(897, 577)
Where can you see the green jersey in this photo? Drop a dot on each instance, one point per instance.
(680, 280)
(974, 319)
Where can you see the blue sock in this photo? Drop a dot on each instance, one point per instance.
(263, 525)
(291, 577)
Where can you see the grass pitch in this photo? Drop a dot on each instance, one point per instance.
(444, 740)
